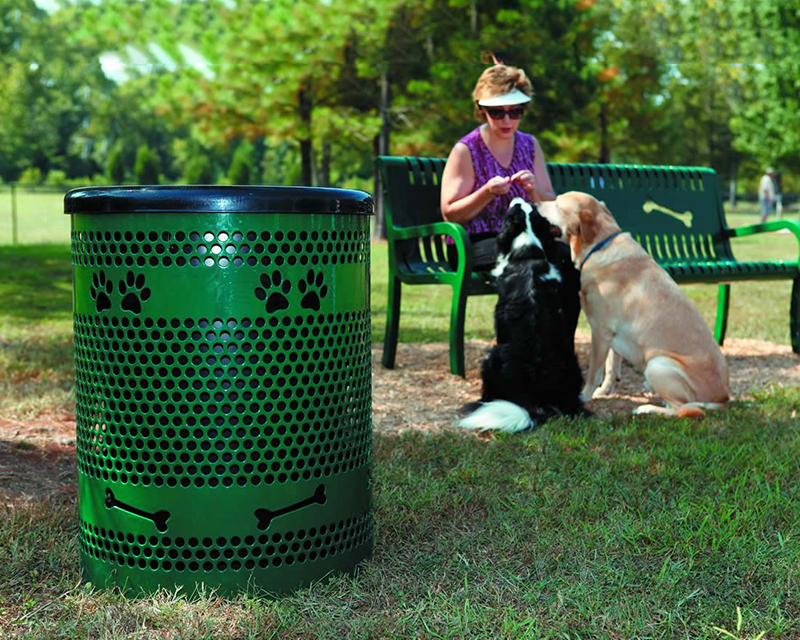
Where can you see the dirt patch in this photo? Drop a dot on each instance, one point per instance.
(420, 393)
(37, 457)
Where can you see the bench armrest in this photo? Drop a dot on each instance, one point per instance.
(452, 229)
(766, 227)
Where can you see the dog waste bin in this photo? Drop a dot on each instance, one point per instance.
(223, 385)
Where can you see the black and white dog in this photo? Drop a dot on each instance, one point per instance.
(532, 373)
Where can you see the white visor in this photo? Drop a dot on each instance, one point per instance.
(506, 99)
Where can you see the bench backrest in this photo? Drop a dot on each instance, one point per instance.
(675, 213)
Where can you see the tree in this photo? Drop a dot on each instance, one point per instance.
(278, 70)
(147, 167)
(115, 166)
(47, 85)
(622, 120)
(241, 168)
(767, 118)
(198, 171)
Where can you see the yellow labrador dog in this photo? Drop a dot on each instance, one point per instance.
(636, 309)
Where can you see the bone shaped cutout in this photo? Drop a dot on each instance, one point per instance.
(649, 206)
(265, 516)
(159, 518)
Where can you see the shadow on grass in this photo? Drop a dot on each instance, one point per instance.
(35, 282)
(614, 528)
(36, 471)
(41, 357)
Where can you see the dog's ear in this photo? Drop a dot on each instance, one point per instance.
(573, 227)
(508, 231)
(604, 209)
(588, 226)
(610, 221)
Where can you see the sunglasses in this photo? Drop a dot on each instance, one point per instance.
(498, 113)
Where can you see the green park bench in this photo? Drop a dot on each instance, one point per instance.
(675, 213)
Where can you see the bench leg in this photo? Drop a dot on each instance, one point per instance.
(457, 312)
(723, 301)
(794, 318)
(392, 323)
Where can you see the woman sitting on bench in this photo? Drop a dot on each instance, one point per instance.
(492, 165)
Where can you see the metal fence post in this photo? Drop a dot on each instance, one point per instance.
(14, 238)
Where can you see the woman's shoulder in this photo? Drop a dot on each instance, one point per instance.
(471, 138)
(527, 138)
(527, 143)
(466, 146)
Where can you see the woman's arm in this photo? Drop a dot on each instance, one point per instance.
(543, 187)
(459, 203)
(537, 184)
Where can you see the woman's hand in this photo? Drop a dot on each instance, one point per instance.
(528, 182)
(499, 185)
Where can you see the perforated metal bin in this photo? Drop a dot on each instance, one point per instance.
(223, 385)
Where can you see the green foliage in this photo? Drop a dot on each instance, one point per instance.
(47, 85)
(56, 177)
(712, 83)
(31, 176)
(767, 119)
(242, 169)
(280, 164)
(147, 166)
(115, 166)
(198, 171)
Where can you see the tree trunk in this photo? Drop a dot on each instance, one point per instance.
(712, 141)
(306, 149)
(473, 17)
(381, 148)
(605, 153)
(324, 177)
(732, 185)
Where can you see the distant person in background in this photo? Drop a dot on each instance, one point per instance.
(776, 182)
(766, 195)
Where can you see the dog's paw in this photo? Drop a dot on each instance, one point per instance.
(652, 409)
(608, 387)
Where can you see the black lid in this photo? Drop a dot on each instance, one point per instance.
(217, 199)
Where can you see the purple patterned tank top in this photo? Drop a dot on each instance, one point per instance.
(486, 167)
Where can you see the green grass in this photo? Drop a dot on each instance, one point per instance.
(40, 217)
(36, 354)
(588, 529)
(608, 528)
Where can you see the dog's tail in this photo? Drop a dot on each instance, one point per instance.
(498, 415)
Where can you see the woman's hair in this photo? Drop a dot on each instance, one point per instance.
(497, 80)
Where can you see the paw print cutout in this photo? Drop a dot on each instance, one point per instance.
(100, 291)
(134, 292)
(276, 299)
(313, 289)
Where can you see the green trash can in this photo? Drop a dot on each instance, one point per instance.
(223, 385)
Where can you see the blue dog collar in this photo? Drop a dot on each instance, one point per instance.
(600, 247)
